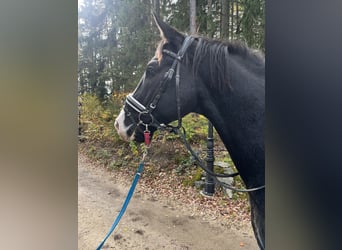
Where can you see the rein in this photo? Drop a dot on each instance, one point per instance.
(147, 119)
(128, 197)
(213, 175)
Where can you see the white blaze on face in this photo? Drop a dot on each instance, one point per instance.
(121, 128)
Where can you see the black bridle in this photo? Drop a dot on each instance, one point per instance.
(145, 114)
(146, 118)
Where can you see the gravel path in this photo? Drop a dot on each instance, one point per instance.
(149, 222)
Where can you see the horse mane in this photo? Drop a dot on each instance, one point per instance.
(215, 54)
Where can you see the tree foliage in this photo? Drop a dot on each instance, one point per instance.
(118, 37)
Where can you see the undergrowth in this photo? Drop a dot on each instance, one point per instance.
(101, 142)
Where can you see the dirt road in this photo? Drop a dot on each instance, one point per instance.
(148, 223)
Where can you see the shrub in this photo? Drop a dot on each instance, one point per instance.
(97, 118)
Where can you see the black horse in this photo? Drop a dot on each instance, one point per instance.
(224, 82)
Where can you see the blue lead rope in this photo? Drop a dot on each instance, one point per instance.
(124, 206)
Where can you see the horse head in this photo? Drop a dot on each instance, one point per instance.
(159, 98)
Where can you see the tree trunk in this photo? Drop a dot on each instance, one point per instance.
(209, 19)
(156, 7)
(231, 17)
(224, 18)
(192, 17)
(237, 19)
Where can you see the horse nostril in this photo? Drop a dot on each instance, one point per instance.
(116, 124)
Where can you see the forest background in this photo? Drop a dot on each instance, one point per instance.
(116, 39)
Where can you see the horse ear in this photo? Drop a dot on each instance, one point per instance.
(167, 32)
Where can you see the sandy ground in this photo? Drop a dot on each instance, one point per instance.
(148, 223)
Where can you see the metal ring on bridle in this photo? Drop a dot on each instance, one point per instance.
(141, 121)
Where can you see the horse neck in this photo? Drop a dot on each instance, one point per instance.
(238, 116)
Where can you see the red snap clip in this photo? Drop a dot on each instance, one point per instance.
(147, 138)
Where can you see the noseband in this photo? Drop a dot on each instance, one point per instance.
(145, 115)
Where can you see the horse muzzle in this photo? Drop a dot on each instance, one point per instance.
(122, 129)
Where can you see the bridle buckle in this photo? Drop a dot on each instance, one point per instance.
(152, 106)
